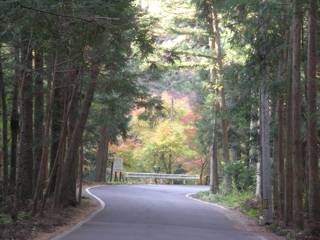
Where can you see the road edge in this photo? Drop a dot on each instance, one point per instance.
(189, 196)
(78, 225)
(221, 207)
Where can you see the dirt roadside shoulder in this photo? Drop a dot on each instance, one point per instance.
(54, 222)
(241, 221)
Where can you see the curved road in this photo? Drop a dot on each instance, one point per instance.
(156, 212)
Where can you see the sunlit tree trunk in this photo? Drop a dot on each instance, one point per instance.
(258, 193)
(223, 108)
(214, 177)
(216, 78)
(265, 156)
(213, 164)
(254, 156)
(204, 165)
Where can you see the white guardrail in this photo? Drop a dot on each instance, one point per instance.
(161, 176)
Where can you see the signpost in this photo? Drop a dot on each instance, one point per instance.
(117, 168)
(117, 165)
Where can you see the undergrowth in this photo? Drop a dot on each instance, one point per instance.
(244, 201)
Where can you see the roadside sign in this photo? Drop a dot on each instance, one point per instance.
(117, 165)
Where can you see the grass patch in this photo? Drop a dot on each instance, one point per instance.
(230, 199)
(5, 219)
(252, 212)
(24, 216)
(240, 200)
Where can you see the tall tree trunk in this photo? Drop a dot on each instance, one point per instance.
(280, 158)
(312, 151)
(25, 166)
(74, 99)
(279, 146)
(14, 121)
(59, 107)
(64, 143)
(213, 164)
(59, 161)
(67, 195)
(265, 156)
(81, 156)
(298, 169)
(254, 156)
(204, 163)
(275, 160)
(289, 142)
(38, 114)
(4, 127)
(258, 193)
(104, 166)
(284, 160)
(56, 125)
(170, 162)
(43, 165)
(224, 121)
(216, 78)
(214, 178)
(101, 155)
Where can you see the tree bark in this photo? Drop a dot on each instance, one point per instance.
(63, 146)
(43, 166)
(312, 143)
(204, 163)
(56, 125)
(214, 178)
(67, 194)
(298, 169)
(81, 156)
(216, 78)
(25, 166)
(254, 156)
(101, 157)
(14, 121)
(275, 159)
(280, 159)
(223, 108)
(74, 98)
(265, 157)
(38, 114)
(289, 143)
(258, 193)
(4, 128)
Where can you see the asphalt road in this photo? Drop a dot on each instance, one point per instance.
(156, 212)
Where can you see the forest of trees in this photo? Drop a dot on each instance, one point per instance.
(263, 89)
(75, 74)
(58, 60)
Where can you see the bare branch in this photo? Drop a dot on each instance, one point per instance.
(88, 20)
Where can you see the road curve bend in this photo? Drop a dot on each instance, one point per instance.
(155, 212)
